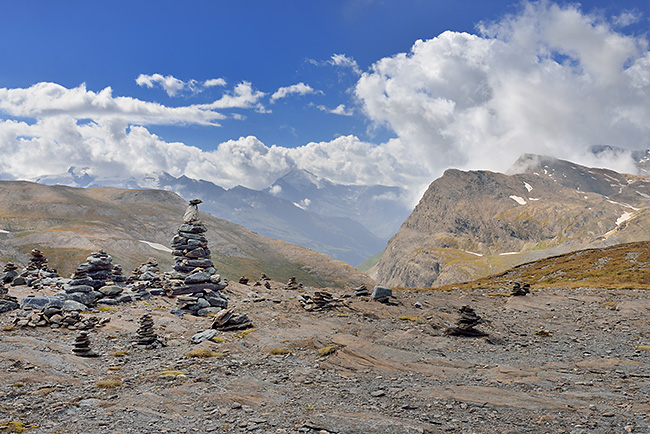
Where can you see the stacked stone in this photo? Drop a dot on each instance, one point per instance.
(195, 275)
(465, 324)
(56, 317)
(243, 280)
(293, 284)
(7, 302)
(321, 300)
(145, 336)
(37, 274)
(9, 273)
(519, 290)
(228, 320)
(94, 280)
(82, 346)
(362, 291)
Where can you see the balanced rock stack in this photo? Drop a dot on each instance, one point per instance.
(9, 273)
(362, 291)
(321, 300)
(293, 284)
(90, 278)
(146, 280)
(465, 324)
(519, 289)
(37, 274)
(82, 346)
(145, 336)
(195, 275)
(7, 302)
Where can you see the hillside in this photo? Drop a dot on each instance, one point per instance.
(473, 224)
(623, 266)
(132, 225)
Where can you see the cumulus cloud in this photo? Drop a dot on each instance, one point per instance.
(176, 87)
(294, 89)
(549, 80)
(242, 96)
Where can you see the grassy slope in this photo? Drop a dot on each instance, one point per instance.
(620, 266)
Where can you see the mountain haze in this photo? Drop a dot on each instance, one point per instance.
(348, 223)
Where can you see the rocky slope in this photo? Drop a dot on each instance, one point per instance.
(472, 224)
(555, 361)
(132, 225)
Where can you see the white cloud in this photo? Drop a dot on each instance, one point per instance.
(243, 96)
(214, 82)
(548, 80)
(50, 99)
(338, 110)
(275, 189)
(172, 85)
(294, 89)
(344, 61)
(627, 18)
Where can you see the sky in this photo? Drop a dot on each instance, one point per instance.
(389, 92)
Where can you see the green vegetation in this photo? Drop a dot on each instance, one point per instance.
(370, 262)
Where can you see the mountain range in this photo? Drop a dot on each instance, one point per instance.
(349, 223)
(68, 224)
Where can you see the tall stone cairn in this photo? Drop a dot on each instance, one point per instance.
(195, 273)
(145, 336)
(82, 346)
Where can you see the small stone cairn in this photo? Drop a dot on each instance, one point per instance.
(9, 273)
(89, 279)
(147, 277)
(362, 291)
(195, 278)
(145, 336)
(227, 320)
(465, 324)
(82, 346)
(322, 300)
(37, 273)
(293, 284)
(7, 302)
(519, 289)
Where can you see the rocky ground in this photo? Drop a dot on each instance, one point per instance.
(556, 360)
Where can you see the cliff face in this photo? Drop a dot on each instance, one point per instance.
(471, 224)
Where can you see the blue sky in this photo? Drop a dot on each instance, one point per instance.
(238, 92)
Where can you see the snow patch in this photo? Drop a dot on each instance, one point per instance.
(472, 253)
(157, 246)
(533, 198)
(643, 194)
(519, 200)
(303, 204)
(508, 253)
(623, 218)
(623, 205)
(2, 231)
(528, 187)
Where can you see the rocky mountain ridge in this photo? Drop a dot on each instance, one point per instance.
(476, 223)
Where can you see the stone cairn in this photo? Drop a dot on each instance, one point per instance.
(194, 279)
(227, 320)
(88, 280)
(7, 302)
(293, 284)
(147, 277)
(362, 291)
(321, 300)
(9, 273)
(519, 289)
(264, 278)
(145, 336)
(465, 324)
(82, 346)
(243, 280)
(37, 273)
